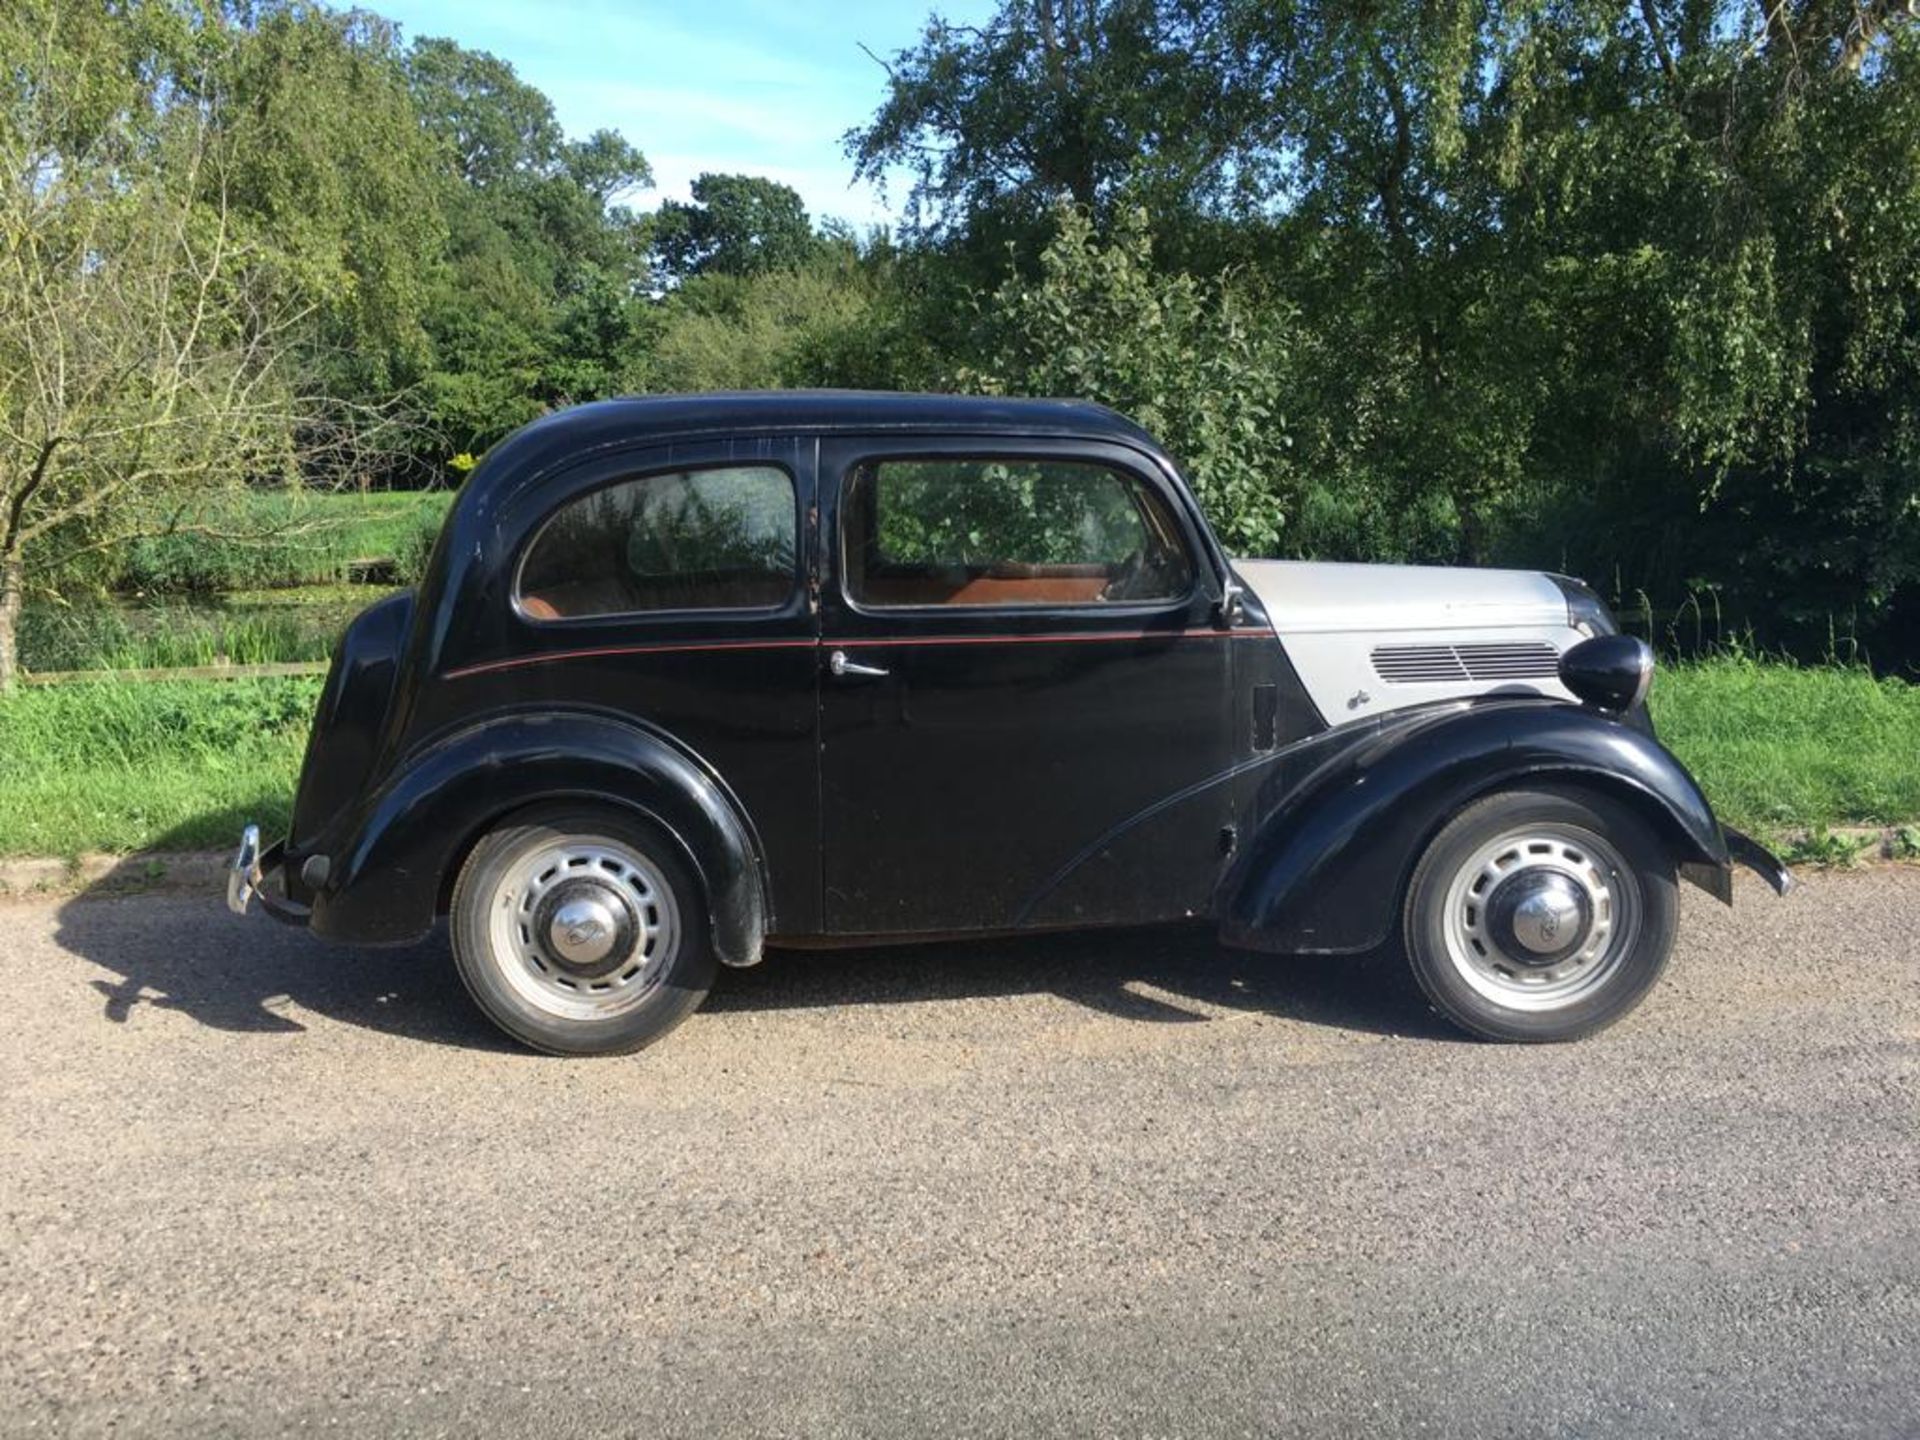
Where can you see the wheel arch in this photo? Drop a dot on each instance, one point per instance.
(1313, 877)
(392, 875)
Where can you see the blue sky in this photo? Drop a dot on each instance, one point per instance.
(753, 86)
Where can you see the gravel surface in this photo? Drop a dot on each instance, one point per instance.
(1126, 1185)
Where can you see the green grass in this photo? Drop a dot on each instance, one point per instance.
(171, 765)
(183, 764)
(282, 538)
(246, 627)
(1783, 747)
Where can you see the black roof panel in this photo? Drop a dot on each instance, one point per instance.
(566, 434)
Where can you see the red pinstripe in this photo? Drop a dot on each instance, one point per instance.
(851, 642)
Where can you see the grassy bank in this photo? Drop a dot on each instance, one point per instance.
(243, 627)
(181, 765)
(175, 765)
(1783, 747)
(280, 538)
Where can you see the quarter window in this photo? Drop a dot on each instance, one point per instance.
(1000, 532)
(716, 539)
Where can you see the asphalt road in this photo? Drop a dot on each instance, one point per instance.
(1137, 1185)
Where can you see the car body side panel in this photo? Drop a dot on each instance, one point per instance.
(1345, 818)
(401, 847)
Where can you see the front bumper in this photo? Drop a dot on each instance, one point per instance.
(1745, 850)
(247, 879)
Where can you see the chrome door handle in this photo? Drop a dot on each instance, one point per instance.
(839, 664)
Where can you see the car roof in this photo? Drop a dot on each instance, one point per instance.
(567, 434)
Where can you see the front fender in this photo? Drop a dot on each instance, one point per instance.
(385, 881)
(1326, 868)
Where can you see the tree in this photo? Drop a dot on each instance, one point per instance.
(145, 345)
(1090, 102)
(543, 297)
(735, 225)
(1205, 366)
(328, 166)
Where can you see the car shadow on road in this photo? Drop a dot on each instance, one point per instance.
(1162, 975)
(249, 975)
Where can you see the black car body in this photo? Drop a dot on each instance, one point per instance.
(766, 628)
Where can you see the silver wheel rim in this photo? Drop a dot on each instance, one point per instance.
(583, 929)
(1509, 900)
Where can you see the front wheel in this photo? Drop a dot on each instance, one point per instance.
(580, 931)
(1540, 915)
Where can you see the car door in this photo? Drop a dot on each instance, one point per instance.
(1024, 696)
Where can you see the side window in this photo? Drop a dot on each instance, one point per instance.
(1008, 532)
(719, 539)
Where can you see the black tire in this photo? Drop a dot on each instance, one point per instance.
(525, 987)
(1462, 953)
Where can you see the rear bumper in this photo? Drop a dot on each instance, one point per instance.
(255, 874)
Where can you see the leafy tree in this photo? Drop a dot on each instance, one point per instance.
(735, 225)
(1091, 102)
(845, 318)
(543, 299)
(1204, 366)
(147, 344)
(326, 164)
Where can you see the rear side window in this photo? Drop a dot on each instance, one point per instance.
(1008, 532)
(713, 539)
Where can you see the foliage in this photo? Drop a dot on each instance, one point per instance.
(277, 538)
(1623, 289)
(145, 333)
(330, 168)
(110, 637)
(1071, 101)
(1626, 290)
(243, 627)
(1203, 366)
(973, 513)
(844, 318)
(736, 225)
(542, 300)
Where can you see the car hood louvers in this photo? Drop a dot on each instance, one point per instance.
(1469, 661)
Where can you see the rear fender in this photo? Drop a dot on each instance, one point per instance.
(1328, 864)
(385, 882)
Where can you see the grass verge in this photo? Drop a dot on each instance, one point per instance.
(1783, 747)
(172, 765)
(181, 765)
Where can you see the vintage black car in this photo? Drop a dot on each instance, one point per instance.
(690, 676)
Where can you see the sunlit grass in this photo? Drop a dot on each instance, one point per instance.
(1778, 746)
(250, 627)
(172, 765)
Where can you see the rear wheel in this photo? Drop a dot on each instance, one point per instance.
(1539, 915)
(580, 931)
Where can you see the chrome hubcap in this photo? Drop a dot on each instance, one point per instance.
(1539, 915)
(583, 929)
(1537, 919)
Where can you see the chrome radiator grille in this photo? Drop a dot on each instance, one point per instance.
(1444, 664)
